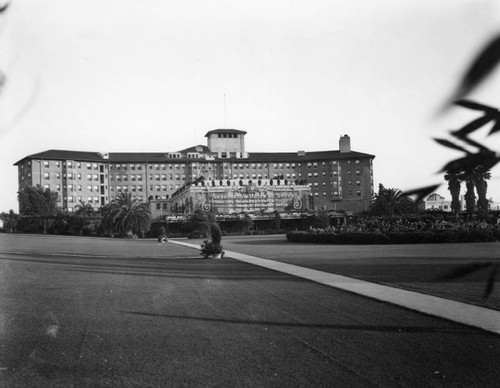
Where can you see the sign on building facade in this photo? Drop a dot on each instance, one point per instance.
(249, 198)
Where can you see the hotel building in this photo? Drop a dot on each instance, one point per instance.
(338, 179)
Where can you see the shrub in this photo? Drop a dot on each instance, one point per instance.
(215, 233)
(210, 248)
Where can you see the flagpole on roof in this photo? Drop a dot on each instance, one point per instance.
(225, 112)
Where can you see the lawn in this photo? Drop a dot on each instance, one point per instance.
(103, 312)
(417, 267)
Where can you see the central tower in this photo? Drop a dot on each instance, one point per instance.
(226, 142)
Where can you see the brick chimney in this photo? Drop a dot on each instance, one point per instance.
(345, 144)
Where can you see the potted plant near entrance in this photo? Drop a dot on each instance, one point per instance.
(213, 249)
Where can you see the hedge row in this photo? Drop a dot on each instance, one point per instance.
(360, 238)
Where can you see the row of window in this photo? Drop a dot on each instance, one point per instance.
(72, 187)
(69, 164)
(225, 165)
(136, 188)
(227, 135)
(73, 199)
(70, 175)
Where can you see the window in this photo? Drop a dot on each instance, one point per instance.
(46, 187)
(46, 175)
(89, 188)
(89, 166)
(58, 187)
(70, 187)
(58, 175)
(46, 164)
(94, 166)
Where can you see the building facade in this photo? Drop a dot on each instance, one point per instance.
(435, 202)
(338, 179)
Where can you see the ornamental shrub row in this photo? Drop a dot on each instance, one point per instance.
(359, 238)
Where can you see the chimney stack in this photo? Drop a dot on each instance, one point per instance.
(345, 144)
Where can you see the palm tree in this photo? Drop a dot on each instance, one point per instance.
(127, 215)
(474, 177)
(454, 186)
(84, 210)
(480, 175)
(391, 201)
(470, 196)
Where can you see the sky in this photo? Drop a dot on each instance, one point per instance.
(155, 76)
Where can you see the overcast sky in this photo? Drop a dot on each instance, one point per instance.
(151, 76)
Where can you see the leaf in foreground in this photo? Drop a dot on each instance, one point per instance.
(464, 270)
(480, 68)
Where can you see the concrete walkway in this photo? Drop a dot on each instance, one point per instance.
(467, 314)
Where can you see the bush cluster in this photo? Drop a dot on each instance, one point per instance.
(379, 230)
